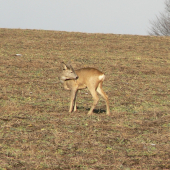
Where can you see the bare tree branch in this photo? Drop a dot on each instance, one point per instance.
(161, 26)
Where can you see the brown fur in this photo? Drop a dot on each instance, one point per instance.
(90, 78)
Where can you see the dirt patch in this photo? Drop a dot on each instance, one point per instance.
(37, 132)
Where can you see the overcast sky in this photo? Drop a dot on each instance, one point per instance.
(92, 16)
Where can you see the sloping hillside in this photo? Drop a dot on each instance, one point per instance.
(37, 132)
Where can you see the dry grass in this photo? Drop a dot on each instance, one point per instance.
(37, 132)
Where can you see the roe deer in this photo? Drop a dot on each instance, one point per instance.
(90, 78)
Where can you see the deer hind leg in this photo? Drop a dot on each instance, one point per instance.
(95, 100)
(73, 100)
(103, 94)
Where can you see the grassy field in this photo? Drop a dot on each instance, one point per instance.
(36, 130)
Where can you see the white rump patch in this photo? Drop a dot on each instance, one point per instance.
(102, 77)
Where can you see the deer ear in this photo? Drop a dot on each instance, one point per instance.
(72, 68)
(64, 66)
(69, 66)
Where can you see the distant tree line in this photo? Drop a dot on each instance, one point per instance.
(161, 26)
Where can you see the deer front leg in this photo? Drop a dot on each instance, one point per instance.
(72, 102)
(75, 107)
